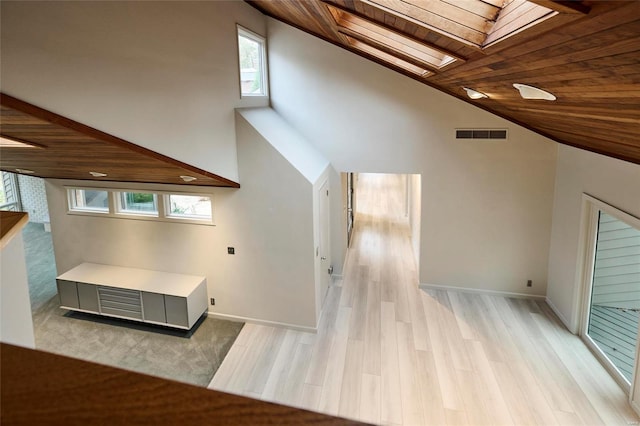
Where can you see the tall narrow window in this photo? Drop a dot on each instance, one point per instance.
(253, 63)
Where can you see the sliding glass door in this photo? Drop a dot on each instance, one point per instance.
(614, 302)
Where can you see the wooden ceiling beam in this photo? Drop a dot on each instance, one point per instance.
(72, 149)
(564, 6)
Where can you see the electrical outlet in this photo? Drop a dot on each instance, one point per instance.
(529, 283)
(213, 301)
(231, 250)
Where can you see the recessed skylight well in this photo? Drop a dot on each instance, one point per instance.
(392, 60)
(392, 43)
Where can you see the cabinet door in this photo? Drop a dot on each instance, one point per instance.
(88, 297)
(176, 310)
(153, 307)
(68, 293)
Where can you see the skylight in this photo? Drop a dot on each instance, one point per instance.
(479, 23)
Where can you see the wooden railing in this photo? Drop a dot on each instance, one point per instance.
(39, 388)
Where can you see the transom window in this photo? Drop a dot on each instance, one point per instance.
(146, 205)
(253, 63)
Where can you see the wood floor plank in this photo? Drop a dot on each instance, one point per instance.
(292, 392)
(265, 361)
(484, 359)
(310, 397)
(372, 336)
(434, 413)
(370, 399)
(412, 411)
(228, 368)
(274, 387)
(591, 384)
(351, 380)
(332, 383)
(391, 411)
(492, 396)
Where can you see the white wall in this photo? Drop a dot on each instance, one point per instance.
(163, 75)
(16, 325)
(268, 221)
(612, 181)
(486, 205)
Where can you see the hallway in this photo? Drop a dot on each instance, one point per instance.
(387, 352)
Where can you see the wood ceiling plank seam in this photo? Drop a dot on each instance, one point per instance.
(495, 3)
(479, 7)
(592, 133)
(566, 113)
(440, 19)
(451, 12)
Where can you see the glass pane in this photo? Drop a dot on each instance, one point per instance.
(250, 52)
(193, 206)
(615, 293)
(89, 200)
(138, 202)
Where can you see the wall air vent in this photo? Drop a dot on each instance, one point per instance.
(481, 133)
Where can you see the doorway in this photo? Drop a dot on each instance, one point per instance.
(612, 289)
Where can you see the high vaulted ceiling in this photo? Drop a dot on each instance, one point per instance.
(586, 53)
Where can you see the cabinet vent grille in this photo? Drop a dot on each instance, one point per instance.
(481, 133)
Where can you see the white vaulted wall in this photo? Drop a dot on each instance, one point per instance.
(163, 75)
(486, 205)
(612, 181)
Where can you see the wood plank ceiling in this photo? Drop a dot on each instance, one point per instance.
(57, 147)
(587, 53)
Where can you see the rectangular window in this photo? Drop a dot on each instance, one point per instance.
(138, 203)
(188, 206)
(159, 206)
(88, 200)
(253, 63)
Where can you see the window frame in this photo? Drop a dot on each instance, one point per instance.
(120, 208)
(262, 42)
(73, 209)
(162, 203)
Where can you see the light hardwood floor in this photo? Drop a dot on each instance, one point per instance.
(387, 352)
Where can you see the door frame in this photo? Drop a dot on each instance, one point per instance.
(591, 206)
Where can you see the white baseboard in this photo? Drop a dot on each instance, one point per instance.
(481, 291)
(560, 315)
(227, 317)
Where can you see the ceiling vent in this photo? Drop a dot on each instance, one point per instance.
(481, 133)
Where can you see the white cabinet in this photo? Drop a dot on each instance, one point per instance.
(174, 300)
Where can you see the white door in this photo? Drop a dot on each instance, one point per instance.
(324, 249)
